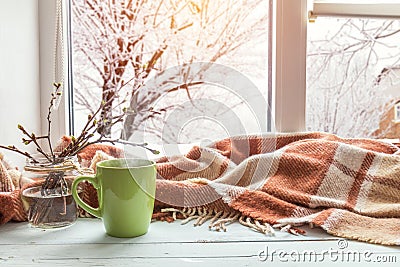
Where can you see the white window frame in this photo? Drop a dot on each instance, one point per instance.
(289, 65)
(289, 58)
(60, 121)
(374, 9)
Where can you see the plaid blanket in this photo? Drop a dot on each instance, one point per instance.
(348, 187)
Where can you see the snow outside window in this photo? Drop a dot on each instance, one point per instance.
(351, 60)
(148, 53)
(353, 68)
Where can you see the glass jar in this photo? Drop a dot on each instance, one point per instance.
(47, 199)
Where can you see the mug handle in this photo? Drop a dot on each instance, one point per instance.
(93, 180)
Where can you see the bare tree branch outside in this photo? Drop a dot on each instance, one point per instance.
(119, 45)
(352, 66)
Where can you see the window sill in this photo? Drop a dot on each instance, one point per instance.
(165, 244)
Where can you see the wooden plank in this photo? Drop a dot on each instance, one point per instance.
(196, 252)
(91, 231)
(85, 243)
(232, 262)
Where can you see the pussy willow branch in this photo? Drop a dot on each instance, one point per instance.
(91, 123)
(91, 128)
(76, 145)
(88, 132)
(54, 96)
(114, 141)
(32, 138)
(14, 149)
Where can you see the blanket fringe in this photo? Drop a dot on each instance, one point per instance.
(256, 225)
(218, 220)
(284, 227)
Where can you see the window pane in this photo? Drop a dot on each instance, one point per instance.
(126, 48)
(353, 69)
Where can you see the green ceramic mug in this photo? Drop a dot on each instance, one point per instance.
(125, 190)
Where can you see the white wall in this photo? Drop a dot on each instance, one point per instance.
(19, 72)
